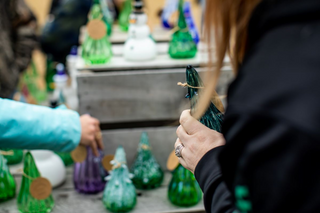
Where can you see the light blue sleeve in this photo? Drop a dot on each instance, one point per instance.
(26, 126)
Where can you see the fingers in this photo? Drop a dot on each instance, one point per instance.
(181, 133)
(99, 137)
(189, 123)
(94, 148)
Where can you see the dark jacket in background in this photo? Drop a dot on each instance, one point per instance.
(17, 40)
(270, 162)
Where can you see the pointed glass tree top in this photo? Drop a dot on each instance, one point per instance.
(7, 184)
(213, 117)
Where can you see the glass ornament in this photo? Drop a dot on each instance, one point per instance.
(182, 44)
(120, 193)
(88, 176)
(146, 170)
(7, 183)
(26, 202)
(66, 158)
(14, 158)
(124, 15)
(96, 51)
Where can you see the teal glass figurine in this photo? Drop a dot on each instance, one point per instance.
(184, 190)
(182, 44)
(7, 184)
(146, 170)
(124, 15)
(26, 202)
(15, 156)
(120, 193)
(96, 51)
(213, 117)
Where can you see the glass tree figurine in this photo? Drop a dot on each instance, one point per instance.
(26, 202)
(183, 188)
(213, 117)
(182, 44)
(15, 157)
(96, 50)
(7, 184)
(124, 15)
(119, 194)
(146, 170)
(88, 176)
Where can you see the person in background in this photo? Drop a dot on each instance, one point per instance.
(17, 41)
(26, 126)
(266, 160)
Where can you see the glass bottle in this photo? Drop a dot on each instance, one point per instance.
(96, 51)
(146, 170)
(15, 157)
(7, 183)
(26, 202)
(213, 117)
(182, 44)
(124, 15)
(88, 176)
(119, 194)
(183, 189)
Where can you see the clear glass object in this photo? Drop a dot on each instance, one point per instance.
(88, 176)
(96, 51)
(15, 158)
(146, 170)
(119, 194)
(182, 44)
(183, 189)
(124, 15)
(27, 203)
(213, 117)
(7, 183)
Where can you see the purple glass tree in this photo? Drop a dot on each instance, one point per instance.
(88, 176)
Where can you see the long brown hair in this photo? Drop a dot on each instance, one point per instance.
(226, 22)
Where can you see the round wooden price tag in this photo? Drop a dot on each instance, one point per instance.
(79, 154)
(106, 162)
(174, 18)
(40, 188)
(173, 161)
(96, 29)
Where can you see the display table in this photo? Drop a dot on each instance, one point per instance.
(67, 200)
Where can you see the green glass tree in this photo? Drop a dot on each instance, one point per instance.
(182, 44)
(27, 203)
(213, 117)
(96, 51)
(120, 193)
(7, 184)
(124, 15)
(15, 157)
(183, 188)
(107, 17)
(146, 170)
(65, 157)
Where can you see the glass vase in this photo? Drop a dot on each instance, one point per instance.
(89, 175)
(182, 45)
(15, 158)
(7, 183)
(183, 189)
(146, 170)
(26, 202)
(119, 194)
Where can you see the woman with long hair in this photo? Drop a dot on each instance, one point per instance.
(267, 158)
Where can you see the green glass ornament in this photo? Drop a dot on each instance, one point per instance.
(146, 170)
(182, 44)
(124, 15)
(14, 158)
(50, 72)
(27, 203)
(120, 193)
(107, 17)
(184, 190)
(96, 51)
(213, 117)
(65, 157)
(7, 184)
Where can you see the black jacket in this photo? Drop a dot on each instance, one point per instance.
(270, 162)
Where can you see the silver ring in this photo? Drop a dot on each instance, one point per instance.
(178, 150)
